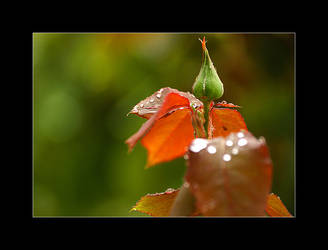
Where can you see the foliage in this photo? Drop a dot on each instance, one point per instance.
(228, 174)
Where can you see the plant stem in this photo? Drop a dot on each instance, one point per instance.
(184, 204)
(206, 116)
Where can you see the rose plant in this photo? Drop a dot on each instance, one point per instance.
(229, 171)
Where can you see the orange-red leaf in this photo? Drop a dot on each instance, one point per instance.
(156, 204)
(169, 138)
(230, 176)
(275, 207)
(223, 121)
(172, 101)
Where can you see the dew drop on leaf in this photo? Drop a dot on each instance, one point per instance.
(186, 184)
(240, 134)
(198, 144)
(234, 151)
(242, 142)
(229, 143)
(226, 157)
(211, 149)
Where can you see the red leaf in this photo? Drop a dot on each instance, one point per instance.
(169, 138)
(169, 131)
(275, 207)
(230, 176)
(223, 121)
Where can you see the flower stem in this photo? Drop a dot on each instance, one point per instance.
(184, 204)
(206, 116)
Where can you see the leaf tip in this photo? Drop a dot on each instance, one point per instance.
(130, 143)
(149, 165)
(275, 207)
(203, 42)
(132, 209)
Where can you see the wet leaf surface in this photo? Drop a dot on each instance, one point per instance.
(149, 106)
(230, 176)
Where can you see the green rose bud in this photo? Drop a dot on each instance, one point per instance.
(208, 86)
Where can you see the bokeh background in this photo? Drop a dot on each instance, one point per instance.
(85, 83)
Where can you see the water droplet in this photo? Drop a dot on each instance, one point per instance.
(151, 100)
(198, 144)
(194, 105)
(186, 185)
(223, 102)
(186, 157)
(169, 190)
(226, 157)
(229, 143)
(211, 149)
(158, 95)
(242, 142)
(141, 105)
(234, 151)
(240, 134)
(262, 139)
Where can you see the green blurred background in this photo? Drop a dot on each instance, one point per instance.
(86, 83)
